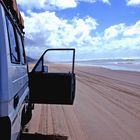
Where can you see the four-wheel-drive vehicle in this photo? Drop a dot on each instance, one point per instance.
(19, 88)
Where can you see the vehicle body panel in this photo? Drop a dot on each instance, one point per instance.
(14, 89)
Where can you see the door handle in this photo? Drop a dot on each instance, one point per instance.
(16, 100)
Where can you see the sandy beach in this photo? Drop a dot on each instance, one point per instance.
(106, 107)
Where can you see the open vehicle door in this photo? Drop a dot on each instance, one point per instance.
(52, 88)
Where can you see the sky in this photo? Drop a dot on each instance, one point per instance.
(97, 29)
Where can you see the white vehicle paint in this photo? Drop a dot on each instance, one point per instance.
(14, 89)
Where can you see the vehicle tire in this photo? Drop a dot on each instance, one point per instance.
(26, 115)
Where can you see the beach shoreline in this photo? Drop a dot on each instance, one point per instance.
(106, 107)
(118, 64)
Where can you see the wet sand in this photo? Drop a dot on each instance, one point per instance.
(106, 107)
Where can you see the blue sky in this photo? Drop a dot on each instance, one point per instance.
(97, 29)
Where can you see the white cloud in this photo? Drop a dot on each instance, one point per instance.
(45, 30)
(30, 4)
(52, 4)
(93, 1)
(121, 41)
(133, 30)
(62, 4)
(106, 1)
(133, 2)
(89, 1)
(113, 31)
(47, 4)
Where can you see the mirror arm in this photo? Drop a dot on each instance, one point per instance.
(73, 61)
(42, 64)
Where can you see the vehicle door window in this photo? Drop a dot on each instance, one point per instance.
(22, 51)
(14, 50)
(39, 67)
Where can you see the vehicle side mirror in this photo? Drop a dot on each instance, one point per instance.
(45, 68)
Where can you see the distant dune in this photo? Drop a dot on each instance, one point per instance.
(29, 59)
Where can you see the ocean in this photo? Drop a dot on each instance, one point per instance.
(114, 64)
